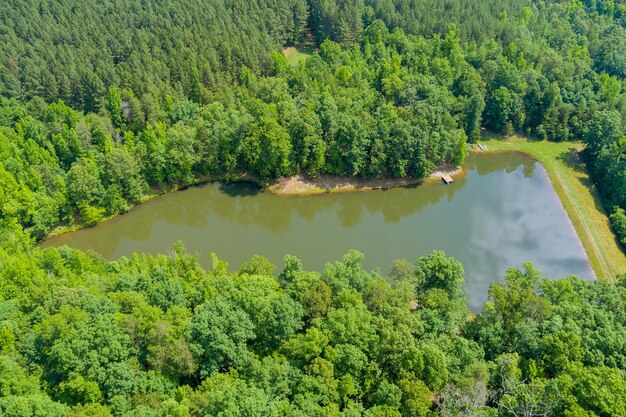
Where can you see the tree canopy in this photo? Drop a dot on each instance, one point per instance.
(103, 102)
(160, 336)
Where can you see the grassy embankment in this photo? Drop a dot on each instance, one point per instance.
(581, 202)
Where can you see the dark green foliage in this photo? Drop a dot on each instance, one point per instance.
(161, 336)
(164, 94)
(181, 49)
(618, 222)
(218, 335)
(606, 143)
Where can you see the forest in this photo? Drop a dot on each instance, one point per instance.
(103, 103)
(160, 336)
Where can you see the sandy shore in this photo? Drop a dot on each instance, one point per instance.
(301, 185)
(291, 186)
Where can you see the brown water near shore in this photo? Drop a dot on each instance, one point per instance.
(300, 185)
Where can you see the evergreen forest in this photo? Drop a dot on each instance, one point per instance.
(103, 103)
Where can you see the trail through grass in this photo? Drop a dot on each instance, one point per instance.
(580, 200)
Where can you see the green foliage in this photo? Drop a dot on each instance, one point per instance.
(163, 95)
(161, 336)
(394, 90)
(618, 222)
(436, 271)
(91, 215)
(218, 335)
(177, 49)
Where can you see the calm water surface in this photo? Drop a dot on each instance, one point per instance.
(501, 213)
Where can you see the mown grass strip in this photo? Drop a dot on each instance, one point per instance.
(580, 200)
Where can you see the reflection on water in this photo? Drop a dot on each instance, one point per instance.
(500, 213)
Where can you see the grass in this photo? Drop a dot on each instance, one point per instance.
(579, 198)
(296, 55)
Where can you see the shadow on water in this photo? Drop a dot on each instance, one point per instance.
(485, 164)
(201, 206)
(240, 189)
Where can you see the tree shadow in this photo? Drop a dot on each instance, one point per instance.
(572, 159)
(488, 135)
(240, 189)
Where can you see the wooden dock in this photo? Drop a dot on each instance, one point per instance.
(447, 179)
(482, 147)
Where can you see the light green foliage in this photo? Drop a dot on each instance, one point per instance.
(15, 380)
(258, 265)
(91, 215)
(436, 271)
(180, 154)
(223, 394)
(160, 336)
(38, 405)
(173, 94)
(348, 321)
(305, 347)
(84, 185)
(218, 335)
(121, 169)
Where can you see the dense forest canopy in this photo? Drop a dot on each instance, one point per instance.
(159, 336)
(344, 112)
(380, 102)
(102, 102)
(74, 50)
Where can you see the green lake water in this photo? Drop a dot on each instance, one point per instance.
(502, 212)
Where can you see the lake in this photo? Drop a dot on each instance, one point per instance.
(500, 213)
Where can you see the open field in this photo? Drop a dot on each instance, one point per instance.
(296, 55)
(581, 202)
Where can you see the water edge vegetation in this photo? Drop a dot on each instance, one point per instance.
(102, 101)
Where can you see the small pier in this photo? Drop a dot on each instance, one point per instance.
(447, 179)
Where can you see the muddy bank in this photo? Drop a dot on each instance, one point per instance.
(301, 185)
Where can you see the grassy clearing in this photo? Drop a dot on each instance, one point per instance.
(296, 55)
(581, 202)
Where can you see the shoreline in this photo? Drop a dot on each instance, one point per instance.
(294, 186)
(153, 193)
(582, 204)
(300, 185)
